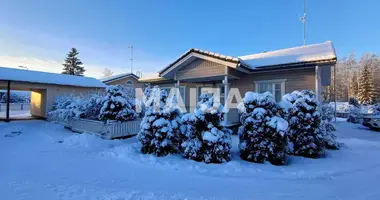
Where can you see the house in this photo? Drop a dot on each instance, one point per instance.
(45, 87)
(125, 79)
(279, 72)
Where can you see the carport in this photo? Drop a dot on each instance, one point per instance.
(44, 87)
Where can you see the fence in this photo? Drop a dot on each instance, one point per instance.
(106, 130)
(14, 107)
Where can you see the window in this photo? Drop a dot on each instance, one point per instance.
(276, 87)
(181, 91)
(129, 83)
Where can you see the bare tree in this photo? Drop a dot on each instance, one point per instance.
(107, 72)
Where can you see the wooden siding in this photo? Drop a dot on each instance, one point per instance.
(300, 79)
(123, 81)
(235, 73)
(200, 68)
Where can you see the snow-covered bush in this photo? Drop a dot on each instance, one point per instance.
(376, 109)
(67, 106)
(160, 126)
(16, 97)
(354, 114)
(304, 123)
(327, 128)
(117, 105)
(354, 102)
(93, 106)
(262, 133)
(206, 137)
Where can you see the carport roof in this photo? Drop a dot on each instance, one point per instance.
(11, 74)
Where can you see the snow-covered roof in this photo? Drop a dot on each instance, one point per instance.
(322, 52)
(11, 74)
(202, 52)
(152, 78)
(303, 54)
(119, 76)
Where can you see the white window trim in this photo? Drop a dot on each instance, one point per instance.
(218, 85)
(282, 81)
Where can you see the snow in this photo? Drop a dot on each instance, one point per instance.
(48, 78)
(118, 76)
(16, 114)
(42, 160)
(279, 123)
(309, 53)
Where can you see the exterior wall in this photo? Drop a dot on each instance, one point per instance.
(200, 68)
(54, 91)
(43, 95)
(299, 79)
(38, 103)
(123, 81)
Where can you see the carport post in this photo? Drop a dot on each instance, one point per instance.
(8, 100)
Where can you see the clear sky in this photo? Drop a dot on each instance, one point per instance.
(38, 33)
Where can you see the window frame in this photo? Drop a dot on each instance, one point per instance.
(273, 82)
(184, 91)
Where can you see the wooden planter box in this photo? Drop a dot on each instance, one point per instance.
(109, 130)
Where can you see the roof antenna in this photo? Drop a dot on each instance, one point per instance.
(131, 47)
(303, 19)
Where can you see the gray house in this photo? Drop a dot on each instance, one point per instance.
(279, 72)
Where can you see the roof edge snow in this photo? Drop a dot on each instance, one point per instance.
(21, 75)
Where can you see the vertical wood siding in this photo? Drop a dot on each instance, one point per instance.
(200, 68)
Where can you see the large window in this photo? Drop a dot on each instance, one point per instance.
(211, 91)
(276, 87)
(182, 90)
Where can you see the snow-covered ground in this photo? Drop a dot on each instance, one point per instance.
(40, 160)
(16, 114)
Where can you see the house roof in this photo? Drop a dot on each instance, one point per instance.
(291, 56)
(202, 52)
(153, 78)
(11, 74)
(302, 54)
(118, 76)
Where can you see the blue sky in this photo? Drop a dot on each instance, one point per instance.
(39, 33)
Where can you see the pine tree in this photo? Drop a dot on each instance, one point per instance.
(304, 123)
(365, 93)
(262, 133)
(73, 65)
(354, 86)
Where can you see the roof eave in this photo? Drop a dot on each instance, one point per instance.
(295, 65)
(213, 55)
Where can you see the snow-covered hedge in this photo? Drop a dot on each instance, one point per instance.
(205, 136)
(327, 128)
(65, 107)
(304, 123)
(262, 133)
(117, 105)
(114, 105)
(160, 126)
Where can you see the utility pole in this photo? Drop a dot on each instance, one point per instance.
(131, 47)
(303, 19)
